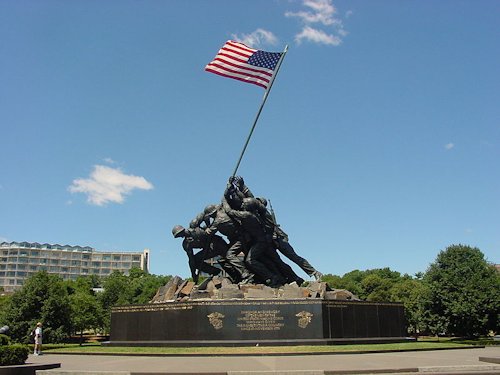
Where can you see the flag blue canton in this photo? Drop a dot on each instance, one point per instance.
(265, 59)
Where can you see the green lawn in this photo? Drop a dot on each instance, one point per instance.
(98, 349)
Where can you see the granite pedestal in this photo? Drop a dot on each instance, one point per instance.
(251, 322)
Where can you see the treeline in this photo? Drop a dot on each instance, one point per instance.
(458, 295)
(70, 307)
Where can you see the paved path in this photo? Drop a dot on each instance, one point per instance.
(437, 360)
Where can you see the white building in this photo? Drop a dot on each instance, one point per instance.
(19, 260)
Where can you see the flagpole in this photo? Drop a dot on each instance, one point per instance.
(260, 109)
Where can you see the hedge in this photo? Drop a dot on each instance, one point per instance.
(4, 339)
(16, 354)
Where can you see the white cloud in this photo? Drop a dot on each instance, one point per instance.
(257, 38)
(107, 184)
(109, 161)
(449, 146)
(320, 13)
(317, 36)
(323, 12)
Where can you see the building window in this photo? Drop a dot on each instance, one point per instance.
(35, 253)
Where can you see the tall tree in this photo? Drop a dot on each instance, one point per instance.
(117, 291)
(464, 292)
(86, 312)
(43, 298)
(413, 294)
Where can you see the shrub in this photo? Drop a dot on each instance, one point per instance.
(4, 340)
(15, 354)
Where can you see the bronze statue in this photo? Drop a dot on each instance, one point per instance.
(254, 237)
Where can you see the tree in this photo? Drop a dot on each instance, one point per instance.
(412, 293)
(86, 313)
(376, 288)
(334, 281)
(117, 291)
(43, 298)
(464, 293)
(4, 304)
(144, 286)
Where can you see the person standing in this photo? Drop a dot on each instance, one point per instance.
(38, 339)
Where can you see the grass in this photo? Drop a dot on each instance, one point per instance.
(98, 349)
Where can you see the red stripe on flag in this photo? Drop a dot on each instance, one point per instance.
(240, 46)
(239, 79)
(265, 79)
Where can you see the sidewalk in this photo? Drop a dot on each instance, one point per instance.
(457, 361)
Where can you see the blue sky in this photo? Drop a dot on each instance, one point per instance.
(379, 144)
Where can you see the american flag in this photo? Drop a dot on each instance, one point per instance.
(238, 61)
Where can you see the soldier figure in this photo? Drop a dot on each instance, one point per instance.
(211, 247)
(280, 238)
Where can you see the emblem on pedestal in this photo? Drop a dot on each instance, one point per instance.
(215, 319)
(304, 318)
